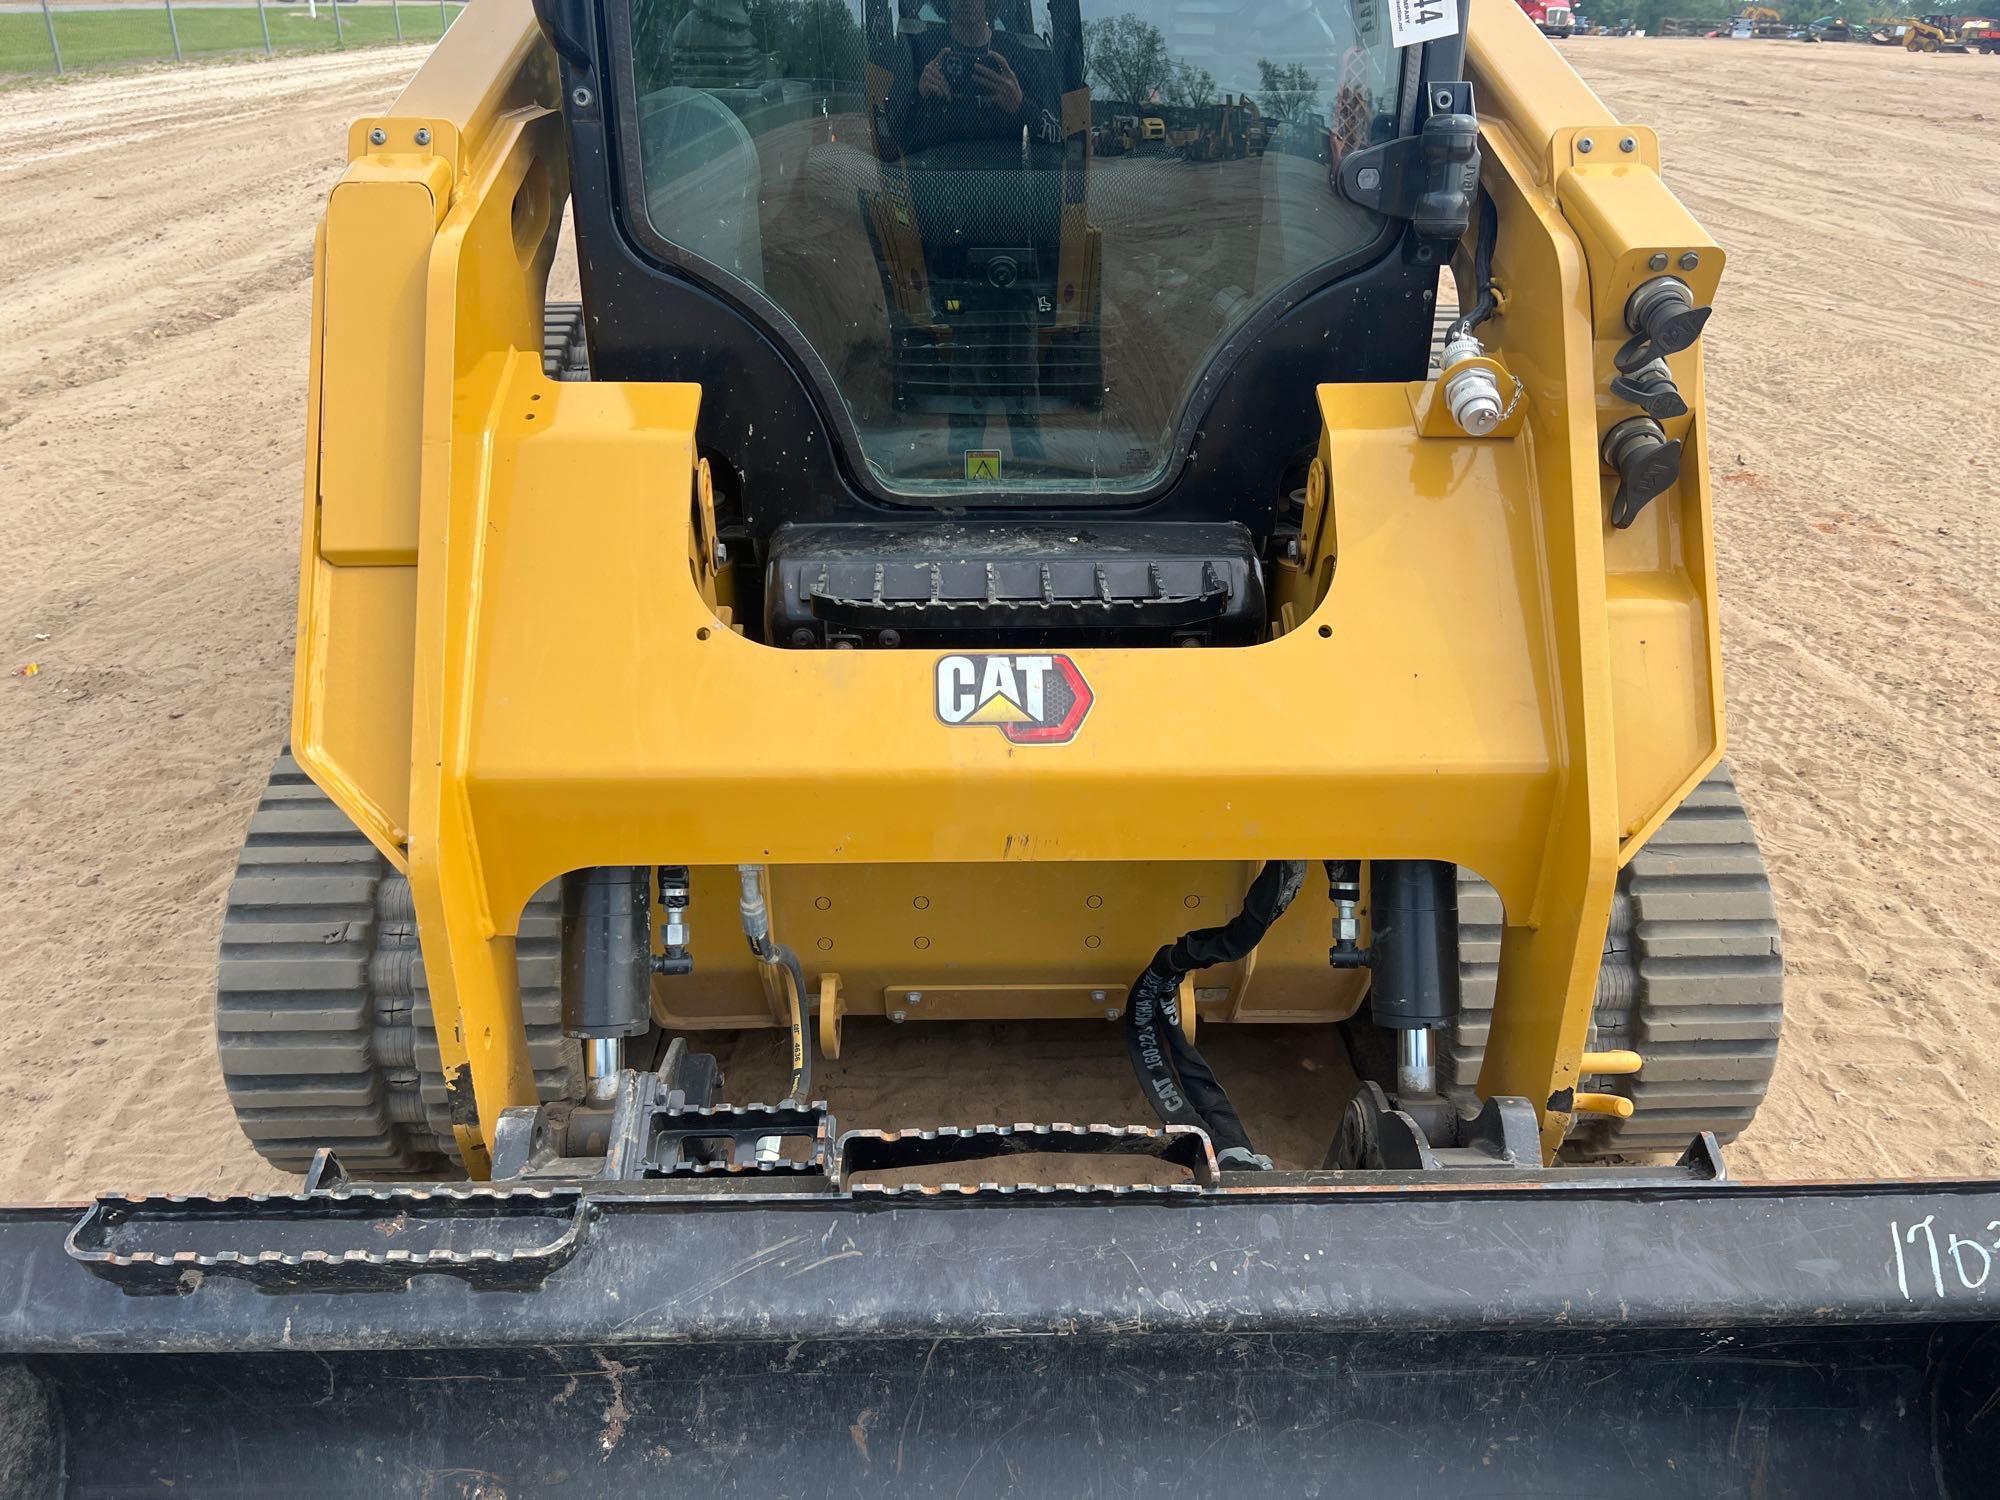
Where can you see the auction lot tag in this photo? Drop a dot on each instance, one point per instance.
(1413, 21)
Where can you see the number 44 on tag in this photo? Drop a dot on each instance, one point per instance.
(1413, 21)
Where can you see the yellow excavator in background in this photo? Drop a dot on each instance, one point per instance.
(1096, 861)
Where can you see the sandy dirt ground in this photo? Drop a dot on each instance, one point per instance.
(155, 236)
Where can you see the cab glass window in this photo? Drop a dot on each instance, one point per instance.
(1015, 231)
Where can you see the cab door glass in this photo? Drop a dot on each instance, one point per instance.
(1015, 231)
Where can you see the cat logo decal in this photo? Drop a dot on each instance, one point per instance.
(1031, 699)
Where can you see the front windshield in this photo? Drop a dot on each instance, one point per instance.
(1015, 231)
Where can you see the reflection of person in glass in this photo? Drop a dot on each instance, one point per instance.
(975, 83)
(981, 131)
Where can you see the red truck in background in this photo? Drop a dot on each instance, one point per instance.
(1554, 20)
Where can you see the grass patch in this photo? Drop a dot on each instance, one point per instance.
(104, 38)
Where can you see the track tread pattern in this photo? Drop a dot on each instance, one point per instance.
(323, 1022)
(1692, 980)
(565, 355)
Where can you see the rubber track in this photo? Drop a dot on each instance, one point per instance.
(1693, 981)
(564, 354)
(323, 1020)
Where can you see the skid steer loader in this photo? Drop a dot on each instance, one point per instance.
(669, 682)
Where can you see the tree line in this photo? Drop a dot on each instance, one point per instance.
(1647, 15)
(1128, 61)
(1126, 56)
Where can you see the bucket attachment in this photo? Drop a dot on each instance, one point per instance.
(818, 1329)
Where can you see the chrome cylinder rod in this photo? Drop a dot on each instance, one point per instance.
(1416, 1072)
(603, 1058)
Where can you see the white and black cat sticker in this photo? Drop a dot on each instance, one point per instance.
(1032, 699)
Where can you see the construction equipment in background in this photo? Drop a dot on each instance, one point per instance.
(1981, 34)
(1757, 23)
(1305, 135)
(1229, 131)
(1753, 22)
(672, 674)
(1127, 134)
(1118, 136)
(1550, 19)
(1934, 33)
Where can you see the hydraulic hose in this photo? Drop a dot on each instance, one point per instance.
(1178, 1082)
(795, 984)
(784, 964)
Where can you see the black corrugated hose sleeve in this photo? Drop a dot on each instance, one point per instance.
(1482, 271)
(1178, 1083)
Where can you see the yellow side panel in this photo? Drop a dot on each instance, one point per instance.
(1659, 653)
(1666, 682)
(378, 244)
(1624, 216)
(360, 712)
(1660, 574)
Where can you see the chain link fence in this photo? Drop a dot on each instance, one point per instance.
(51, 37)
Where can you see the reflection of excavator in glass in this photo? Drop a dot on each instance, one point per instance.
(992, 276)
(1230, 131)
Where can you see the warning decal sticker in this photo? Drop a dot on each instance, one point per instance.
(1032, 700)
